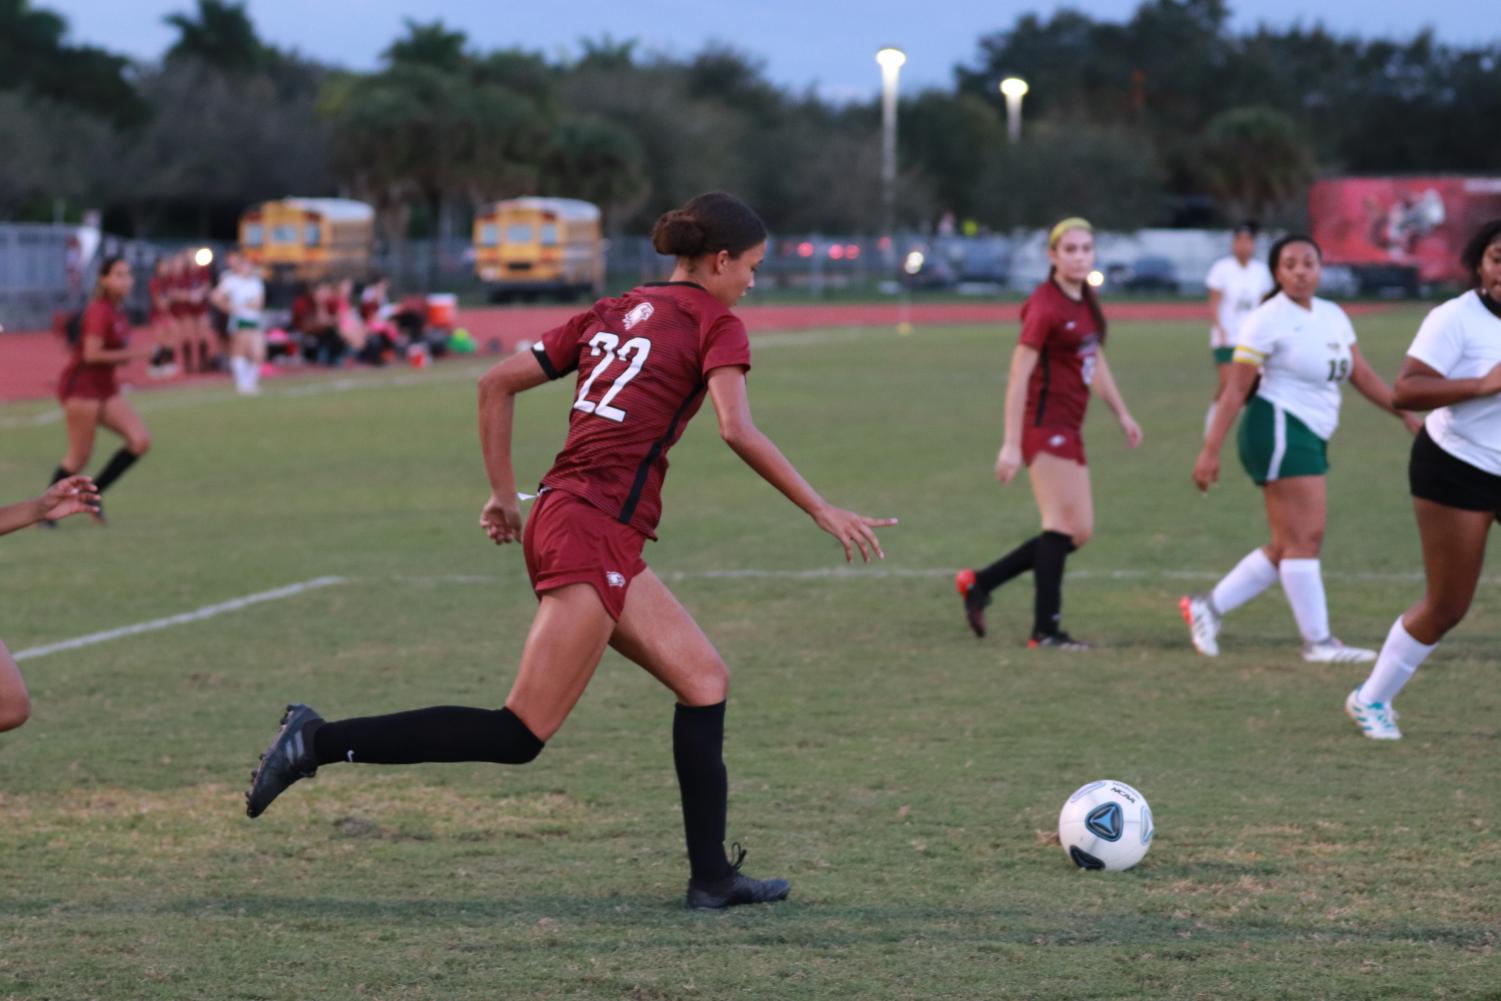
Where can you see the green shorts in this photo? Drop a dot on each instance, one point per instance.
(1223, 356)
(1275, 445)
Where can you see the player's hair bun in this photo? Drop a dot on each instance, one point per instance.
(678, 234)
(708, 224)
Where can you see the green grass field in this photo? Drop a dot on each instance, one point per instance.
(905, 776)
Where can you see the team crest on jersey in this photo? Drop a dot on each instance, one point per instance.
(615, 578)
(1069, 325)
(638, 314)
(1057, 441)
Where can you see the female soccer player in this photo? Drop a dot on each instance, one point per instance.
(65, 497)
(1305, 349)
(1054, 367)
(88, 390)
(643, 364)
(241, 295)
(1236, 285)
(1453, 368)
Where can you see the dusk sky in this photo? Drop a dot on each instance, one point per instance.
(804, 43)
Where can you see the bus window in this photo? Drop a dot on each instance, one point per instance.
(283, 234)
(519, 233)
(313, 234)
(549, 234)
(489, 234)
(253, 234)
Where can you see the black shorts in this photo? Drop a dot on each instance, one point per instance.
(1435, 475)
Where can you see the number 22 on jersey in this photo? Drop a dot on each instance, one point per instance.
(633, 351)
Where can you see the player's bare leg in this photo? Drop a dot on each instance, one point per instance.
(656, 632)
(15, 704)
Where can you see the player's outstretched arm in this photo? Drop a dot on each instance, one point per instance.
(501, 515)
(1375, 389)
(1421, 387)
(1237, 388)
(739, 431)
(73, 495)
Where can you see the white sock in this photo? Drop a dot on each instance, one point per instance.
(1209, 416)
(1400, 657)
(1303, 583)
(1250, 577)
(237, 368)
(252, 374)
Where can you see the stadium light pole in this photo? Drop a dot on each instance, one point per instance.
(891, 61)
(1014, 88)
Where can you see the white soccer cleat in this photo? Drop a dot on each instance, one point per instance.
(1203, 624)
(1377, 721)
(1332, 651)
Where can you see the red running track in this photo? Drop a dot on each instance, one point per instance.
(30, 362)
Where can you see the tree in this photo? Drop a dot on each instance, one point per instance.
(220, 35)
(594, 159)
(1253, 159)
(35, 58)
(1110, 176)
(431, 44)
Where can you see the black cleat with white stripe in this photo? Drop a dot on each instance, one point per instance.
(289, 758)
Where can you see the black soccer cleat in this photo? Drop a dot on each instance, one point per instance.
(735, 889)
(1056, 641)
(976, 599)
(289, 758)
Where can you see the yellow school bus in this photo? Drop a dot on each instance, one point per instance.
(305, 239)
(525, 247)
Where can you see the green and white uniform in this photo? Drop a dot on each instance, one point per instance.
(1241, 288)
(1305, 355)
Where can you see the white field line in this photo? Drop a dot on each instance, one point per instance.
(457, 371)
(826, 573)
(197, 615)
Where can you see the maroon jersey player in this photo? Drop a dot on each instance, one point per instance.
(88, 389)
(641, 365)
(1057, 364)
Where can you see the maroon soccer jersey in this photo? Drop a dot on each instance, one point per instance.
(643, 362)
(1064, 333)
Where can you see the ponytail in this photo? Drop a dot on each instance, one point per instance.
(708, 224)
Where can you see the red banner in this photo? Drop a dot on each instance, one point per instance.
(1420, 222)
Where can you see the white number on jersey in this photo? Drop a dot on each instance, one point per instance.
(635, 351)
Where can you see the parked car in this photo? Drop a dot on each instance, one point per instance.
(1145, 274)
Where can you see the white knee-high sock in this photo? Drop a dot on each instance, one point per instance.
(1303, 583)
(1400, 657)
(1252, 575)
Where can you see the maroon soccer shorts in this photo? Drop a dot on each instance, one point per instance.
(1066, 443)
(570, 541)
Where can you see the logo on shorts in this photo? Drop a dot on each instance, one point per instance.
(1057, 441)
(614, 578)
(640, 313)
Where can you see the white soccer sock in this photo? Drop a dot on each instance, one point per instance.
(252, 374)
(1400, 657)
(1303, 583)
(237, 368)
(1250, 577)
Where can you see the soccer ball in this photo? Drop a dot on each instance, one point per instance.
(1105, 825)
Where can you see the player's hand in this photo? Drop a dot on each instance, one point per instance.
(1007, 462)
(501, 519)
(853, 531)
(1207, 469)
(1411, 421)
(1131, 429)
(73, 495)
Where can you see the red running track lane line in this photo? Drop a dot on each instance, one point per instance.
(30, 362)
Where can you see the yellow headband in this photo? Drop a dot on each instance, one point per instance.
(1072, 222)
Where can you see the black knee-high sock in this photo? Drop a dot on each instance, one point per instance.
(1047, 574)
(441, 733)
(122, 460)
(697, 751)
(1018, 561)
